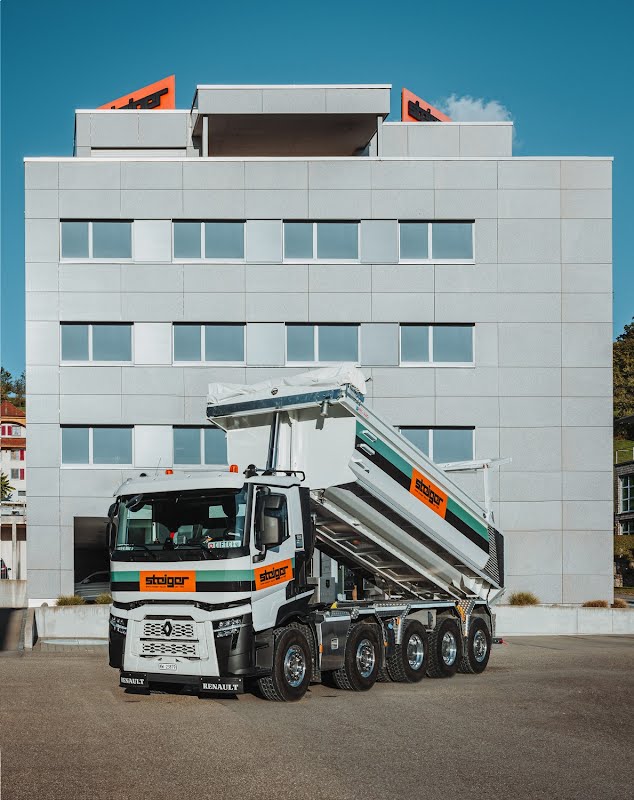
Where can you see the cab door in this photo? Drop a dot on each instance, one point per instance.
(273, 551)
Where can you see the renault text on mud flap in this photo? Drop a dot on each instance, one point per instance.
(222, 686)
(273, 574)
(129, 680)
(181, 581)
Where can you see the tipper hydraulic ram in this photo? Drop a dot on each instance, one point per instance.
(332, 549)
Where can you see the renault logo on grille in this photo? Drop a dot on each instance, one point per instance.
(167, 628)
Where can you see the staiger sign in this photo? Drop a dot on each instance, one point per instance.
(161, 94)
(415, 109)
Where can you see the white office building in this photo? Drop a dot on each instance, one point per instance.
(273, 228)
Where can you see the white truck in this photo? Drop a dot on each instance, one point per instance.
(331, 549)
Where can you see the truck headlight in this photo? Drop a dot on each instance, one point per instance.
(227, 627)
(119, 624)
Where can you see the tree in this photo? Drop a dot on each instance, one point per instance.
(7, 383)
(19, 390)
(623, 349)
(5, 489)
(13, 389)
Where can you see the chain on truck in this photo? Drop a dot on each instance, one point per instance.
(330, 550)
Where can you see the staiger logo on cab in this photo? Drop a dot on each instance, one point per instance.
(183, 581)
(273, 574)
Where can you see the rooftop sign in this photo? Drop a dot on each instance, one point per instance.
(161, 94)
(415, 109)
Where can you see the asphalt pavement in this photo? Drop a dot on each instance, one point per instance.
(550, 718)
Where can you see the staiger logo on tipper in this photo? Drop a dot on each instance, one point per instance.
(428, 493)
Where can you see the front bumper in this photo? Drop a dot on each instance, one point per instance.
(187, 645)
(202, 685)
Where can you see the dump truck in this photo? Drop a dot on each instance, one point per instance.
(331, 549)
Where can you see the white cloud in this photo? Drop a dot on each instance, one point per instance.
(474, 109)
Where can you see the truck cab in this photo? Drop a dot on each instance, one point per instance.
(201, 564)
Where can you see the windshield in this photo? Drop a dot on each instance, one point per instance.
(211, 522)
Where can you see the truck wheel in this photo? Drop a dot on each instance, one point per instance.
(383, 676)
(445, 649)
(361, 661)
(292, 666)
(477, 648)
(408, 662)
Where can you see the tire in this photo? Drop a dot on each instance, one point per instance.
(383, 676)
(408, 662)
(477, 648)
(362, 660)
(292, 666)
(444, 651)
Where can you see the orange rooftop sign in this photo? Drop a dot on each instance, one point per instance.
(161, 94)
(415, 109)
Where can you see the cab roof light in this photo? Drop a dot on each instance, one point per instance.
(233, 468)
(169, 471)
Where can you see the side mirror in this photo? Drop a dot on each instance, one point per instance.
(270, 520)
(111, 528)
(111, 535)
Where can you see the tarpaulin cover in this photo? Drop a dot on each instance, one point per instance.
(327, 377)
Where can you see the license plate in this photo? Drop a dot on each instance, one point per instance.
(131, 680)
(222, 685)
(171, 667)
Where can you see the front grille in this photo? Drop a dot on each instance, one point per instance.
(175, 630)
(165, 648)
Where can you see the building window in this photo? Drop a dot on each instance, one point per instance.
(309, 344)
(96, 240)
(436, 241)
(436, 344)
(98, 445)
(12, 430)
(217, 343)
(96, 342)
(194, 446)
(328, 241)
(217, 241)
(451, 240)
(187, 240)
(15, 474)
(414, 241)
(442, 445)
(627, 526)
(21, 493)
(627, 493)
(299, 241)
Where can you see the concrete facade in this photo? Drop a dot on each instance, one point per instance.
(537, 292)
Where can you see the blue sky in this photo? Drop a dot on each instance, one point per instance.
(562, 69)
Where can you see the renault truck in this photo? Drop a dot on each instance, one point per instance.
(329, 550)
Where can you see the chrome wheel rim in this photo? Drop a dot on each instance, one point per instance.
(294, 666)
(480, 646)
(449, 648)
(366, 658)
(415, 652)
